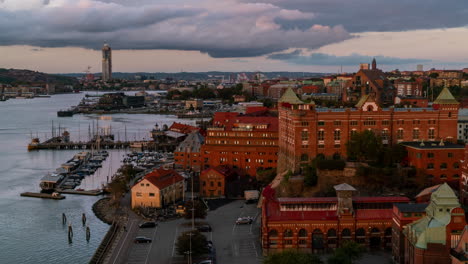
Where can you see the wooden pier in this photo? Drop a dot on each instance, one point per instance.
(83, 192)
(144, 145)
(43, 195)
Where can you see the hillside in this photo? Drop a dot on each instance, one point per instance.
(27, 77)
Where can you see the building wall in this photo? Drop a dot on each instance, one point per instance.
(305, 132)
(243, 149)
(399, 221)
(188, 160)
(145, 194)
(212, 183)
(432, 161)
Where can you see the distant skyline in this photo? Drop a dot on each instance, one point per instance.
(64, 36)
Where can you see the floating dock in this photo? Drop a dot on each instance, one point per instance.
(90, 192)
(43, 195)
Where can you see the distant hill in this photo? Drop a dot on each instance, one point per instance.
(27, 77)
(190, 76)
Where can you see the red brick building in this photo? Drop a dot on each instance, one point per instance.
(187, 155)
(213, 181)
(319, 223)
(403, 214)
(246, 142)
(464, 179)
(441, 161)
(306, 130)
(409, 88)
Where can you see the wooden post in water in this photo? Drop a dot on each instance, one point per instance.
(70, 233)
(64, 219)
(88, 234)
(83, 219)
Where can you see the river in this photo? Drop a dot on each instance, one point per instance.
(31, 229)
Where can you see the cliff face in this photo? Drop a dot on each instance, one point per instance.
(15, 77)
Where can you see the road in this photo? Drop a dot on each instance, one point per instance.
(234, 243)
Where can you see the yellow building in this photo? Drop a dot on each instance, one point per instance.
(158, 188)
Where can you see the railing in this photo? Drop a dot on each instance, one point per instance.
(106, 242)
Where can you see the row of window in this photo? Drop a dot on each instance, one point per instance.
(288, 233)
(212, 183)
(237, 142)
(443, 176)
(385, 134)
(371, 122)
(443, 165)
(226, 134)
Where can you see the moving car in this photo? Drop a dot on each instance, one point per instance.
(142, 240)
(246, 220)
(148, 225)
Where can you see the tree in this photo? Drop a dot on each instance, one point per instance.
(310, 176)
(199, 209)
(433, 75)
(364, 146)
(347, 254)
(198, 242)
(265, 176)
(117, 188)
(292, 257)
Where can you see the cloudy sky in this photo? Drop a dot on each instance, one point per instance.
(233, 35)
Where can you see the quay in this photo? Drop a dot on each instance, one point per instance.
(82, 192)
(147, 145)
(53, 196)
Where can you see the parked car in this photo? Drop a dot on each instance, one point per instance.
(204, 228)
(143, 240)
(208, 261)
(148, 225)
(246, 220)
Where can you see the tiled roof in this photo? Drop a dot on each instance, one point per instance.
(369, 214)
(183, 128)
(285, 200)
(192, 143)
(411, 208)
(162, 178)
(290, 97)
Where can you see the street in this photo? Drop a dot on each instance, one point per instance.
(233, 243)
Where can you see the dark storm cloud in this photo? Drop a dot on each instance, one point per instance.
(296, 57)
(227, 29)
(378, 15)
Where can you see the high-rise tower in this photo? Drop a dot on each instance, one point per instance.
(106, 62)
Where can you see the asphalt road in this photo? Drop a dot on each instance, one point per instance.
(234, 244)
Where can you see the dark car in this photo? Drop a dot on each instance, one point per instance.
(204, 228)
(148, 225)
(143, 240)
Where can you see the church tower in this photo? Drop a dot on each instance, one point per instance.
(374, 64)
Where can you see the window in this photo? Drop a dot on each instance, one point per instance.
(321, 146)
(321, 123)
(305, 135)
(304, 123)
(304, 157)
(204, 183)
(415, 133)
(346, 232)
(400, 133)
(138, 194)
(337, 146)
(450, 114)
(369, 122)
(456, 165)
(321, 135)
(302, 233)
(211, 184)
(443, 176)
(416, 122)
(219, 192)
(337, 135)
(430, 166)
(418, 155)
(406, 214)
(142, 185)
(400, 122)
(431, 133)
(456, 176)
(430, 154)
(288, 233)
(354, 123)
(219, 184)
(450, 155)
(385, 122)
(151, 194)
(337, 123)
(385, 135)
(353, 132)
(443, 165)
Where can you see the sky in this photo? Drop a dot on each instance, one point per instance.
(62, 36)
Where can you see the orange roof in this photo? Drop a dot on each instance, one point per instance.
(162, 178)
(183, 128)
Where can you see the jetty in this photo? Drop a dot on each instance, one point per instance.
(54, 196)
(81, 192)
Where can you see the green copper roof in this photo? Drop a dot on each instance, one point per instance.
(362, 100)
(290, 97)
(445, 97)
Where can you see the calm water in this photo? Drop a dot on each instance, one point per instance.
(31, 229)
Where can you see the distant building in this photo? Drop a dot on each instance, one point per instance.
(419, 67)
(194, 104)
(106, 63)
(213, 181)
(463, 128)
(431, 238)
(157, 189)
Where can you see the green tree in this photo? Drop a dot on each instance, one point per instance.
(364, 146)
(198, 242)
(265, 176)
(117, 188)
(433, 75)
(347, 254)
(199, 209)
(310, 176)
(292, 257)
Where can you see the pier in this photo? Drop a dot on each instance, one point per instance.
(54, 196)
(144, 145)
(81, 192)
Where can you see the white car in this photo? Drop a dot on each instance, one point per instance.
(246, 220)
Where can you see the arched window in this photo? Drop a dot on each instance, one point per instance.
(273, 233)
(331, 233)
(388, 231)
(288, 233)
(360, 232)
(456, 176)
(304, 157)
(346, 232)
(443, 176)
(302, 233)
(317, 239)
(456, 165)
(336, 156)
(375, 230)
(443, 165)
(370, 108)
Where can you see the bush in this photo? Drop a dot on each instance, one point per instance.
(199, 243)
(291, 257)
(331, 164)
